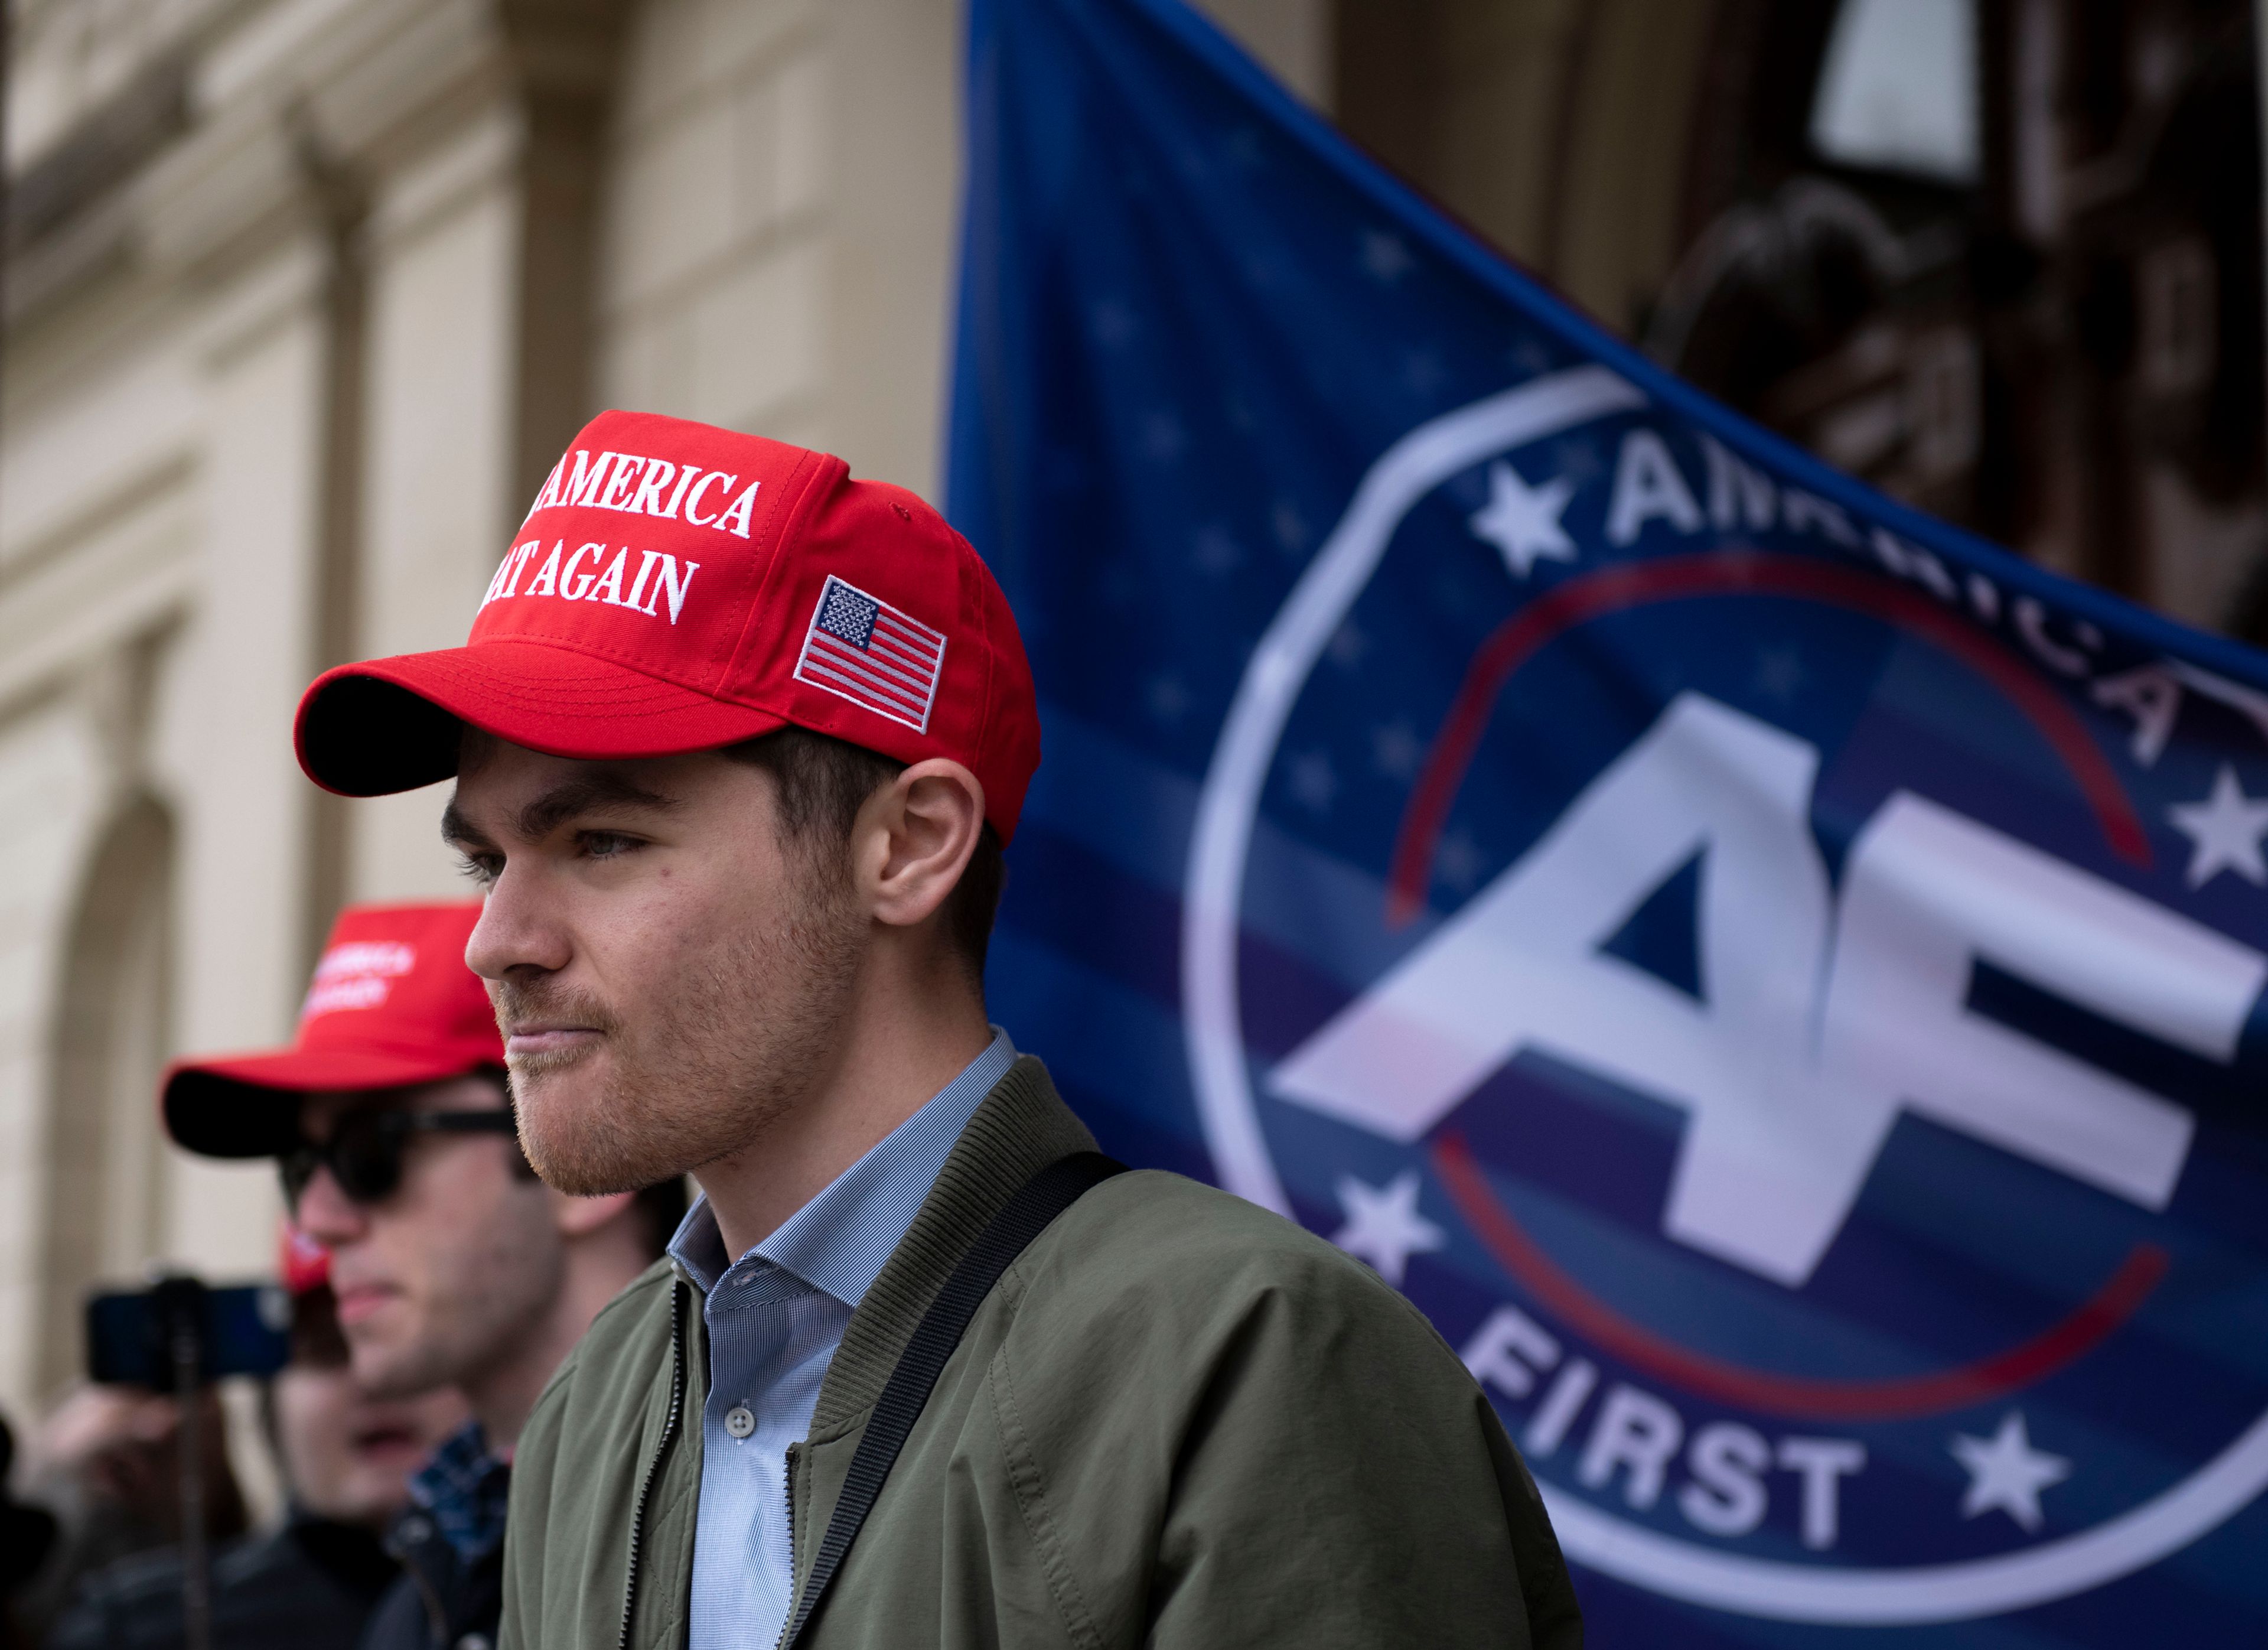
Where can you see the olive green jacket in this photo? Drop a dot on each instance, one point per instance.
(1177, 1420)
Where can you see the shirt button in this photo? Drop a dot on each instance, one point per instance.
(739, 1421)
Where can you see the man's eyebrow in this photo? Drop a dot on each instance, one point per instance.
(538, 819)
(603, 788)
(458, 829)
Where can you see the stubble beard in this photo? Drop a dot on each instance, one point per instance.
(483, 1298)
(704, 1067)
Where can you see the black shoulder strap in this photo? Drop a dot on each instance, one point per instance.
(1025, 1215)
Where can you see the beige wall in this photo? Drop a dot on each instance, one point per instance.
(1621, 177)
(712, 288)
(436, 433)
(1295, 39)
(782, 198)
(261, 405)
(48, 793)
(1560, 129)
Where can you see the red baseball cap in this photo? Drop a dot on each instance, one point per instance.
(392, 1003)
(677, 587)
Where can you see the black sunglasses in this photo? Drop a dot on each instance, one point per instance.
(364, 1151)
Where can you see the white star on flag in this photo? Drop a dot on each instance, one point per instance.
(1383, 1225)
(2225, 830)
(1385, 257)
(1398, 752)
(1523, 521)
(2006, 1473)
(1458, 860)
(1313, 780)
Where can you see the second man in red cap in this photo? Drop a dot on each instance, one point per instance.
(450, 1265)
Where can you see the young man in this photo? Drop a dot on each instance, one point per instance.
(346, 1460)
(452, 1264)
(738, 741)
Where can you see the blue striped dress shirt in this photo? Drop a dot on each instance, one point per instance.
(775, 1317)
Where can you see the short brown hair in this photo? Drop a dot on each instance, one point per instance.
(823, 782)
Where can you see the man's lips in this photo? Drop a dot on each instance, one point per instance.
(357, 1301)
(548, 1039)
(388, 1442)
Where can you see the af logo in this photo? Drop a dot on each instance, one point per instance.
(1782, 1126)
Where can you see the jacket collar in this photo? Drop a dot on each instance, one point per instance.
(1021, 1127)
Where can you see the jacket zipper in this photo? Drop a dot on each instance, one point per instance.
(436, 1617)
(781, 1641)
(677, 1293)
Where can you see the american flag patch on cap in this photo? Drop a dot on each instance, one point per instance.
(865, 649)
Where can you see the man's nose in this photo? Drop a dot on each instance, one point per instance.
(517, 930)
(326, 1214)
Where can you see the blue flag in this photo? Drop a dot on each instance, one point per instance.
(1776, 980)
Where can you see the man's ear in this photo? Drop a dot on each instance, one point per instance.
(579, 1216)
(914, 837)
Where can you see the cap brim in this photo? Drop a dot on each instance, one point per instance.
(393, 725)
(249, 1105)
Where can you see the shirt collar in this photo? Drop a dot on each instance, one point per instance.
(838, 1241)
(464, 1488)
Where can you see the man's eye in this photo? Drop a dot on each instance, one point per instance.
(481, 868)
(608, 845)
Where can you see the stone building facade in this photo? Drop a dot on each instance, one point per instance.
(302, 297)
